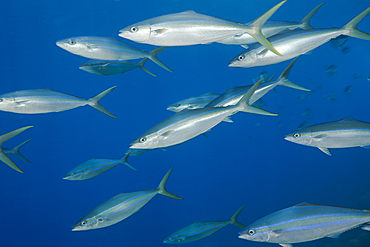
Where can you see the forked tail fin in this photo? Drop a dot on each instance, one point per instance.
(94, 102)
(351, 26)
(153, 57)
(305, 22)
(234, 219)
(162, 187)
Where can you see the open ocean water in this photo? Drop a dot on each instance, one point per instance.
(247, 162)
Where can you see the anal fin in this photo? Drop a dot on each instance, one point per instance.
(325, 150)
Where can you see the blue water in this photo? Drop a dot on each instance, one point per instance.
(244, 163)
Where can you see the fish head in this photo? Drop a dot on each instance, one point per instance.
(244, 59)
(149, 141)
(73, 176)
(256, 233)
(89, 223)
(76, 45)
(174, 240)
(7, 104)
(139, 32)
(300, 137)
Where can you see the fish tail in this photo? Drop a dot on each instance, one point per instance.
(153, 57)
(3, 157)
(305, 22)
(283, 78)
(351, 27)
(124, 160)
(94, 102)
(244, 105)
(141, 66)
(234, 219)
(162, 187)
(16, 152)
(256, 25)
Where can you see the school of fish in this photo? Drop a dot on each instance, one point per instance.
(273, 42)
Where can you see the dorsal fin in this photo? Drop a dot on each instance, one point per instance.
(304, 204)
(230, 88)
(189, 11)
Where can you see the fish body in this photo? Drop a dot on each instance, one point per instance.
(269, 29)
(109, 67)
(192, 103)
(95, 167)
(191, 28)
(199, 230)
(344, 133)
(44, 101)
(188, 124)
(107, 48)
(233, 95)
(120, 207)
(304, 222)
(295, 42)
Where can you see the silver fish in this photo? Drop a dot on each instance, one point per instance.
(16, 152)
(233, 95)
(3, 138)
(192, 103)
(188, 124)
(95, 167)
(107, 48)
(44, 101)
(305, 222)
(199, 230)
(269, 29)
(191, 28)
(344, 133)
(109, 67)
(121, 207)
(296, 42)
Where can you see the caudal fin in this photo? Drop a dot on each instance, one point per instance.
(244, 102)
(6, 137)
(284, 81)
(16, 152)
(305, 22)
(124, 160)
(351, 27)
(153, 57)
(256, 25)
(234, 219)
(94, 102)
(162, 187)
(141, 66)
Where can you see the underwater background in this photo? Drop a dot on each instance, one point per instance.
(247, 162)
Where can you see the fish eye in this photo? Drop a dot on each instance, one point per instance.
(241, 57)
(100, 219)
(296, 135)
(71, 42)
(251, 232)
(177, 105)
(1, 100)
(134, 29)
(83, 223)
(142, 139)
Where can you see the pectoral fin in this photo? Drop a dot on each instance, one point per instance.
(167, 134)
(286, 245)
(227, 119)
(160, 31)
(335, 235)
(19, 102)
(318, 137)
(325, 150)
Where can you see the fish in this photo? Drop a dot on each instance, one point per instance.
(107, 48)
(188, 124)
(121, 207)
(192, 103)
(109, 67)
(191, 28)
(95, 167)
(3, 138)
(344, 133)
(269, 29)
(16, 152)
(137, 152)
(348, 89)
(305, 222)
(233, 95)
(296, 42)
(36, 101)
(331, 69)
(338, 41)
(199, 230)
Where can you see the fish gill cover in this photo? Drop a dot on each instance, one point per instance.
(246, 162)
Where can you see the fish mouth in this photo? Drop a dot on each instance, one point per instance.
(59, 43)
